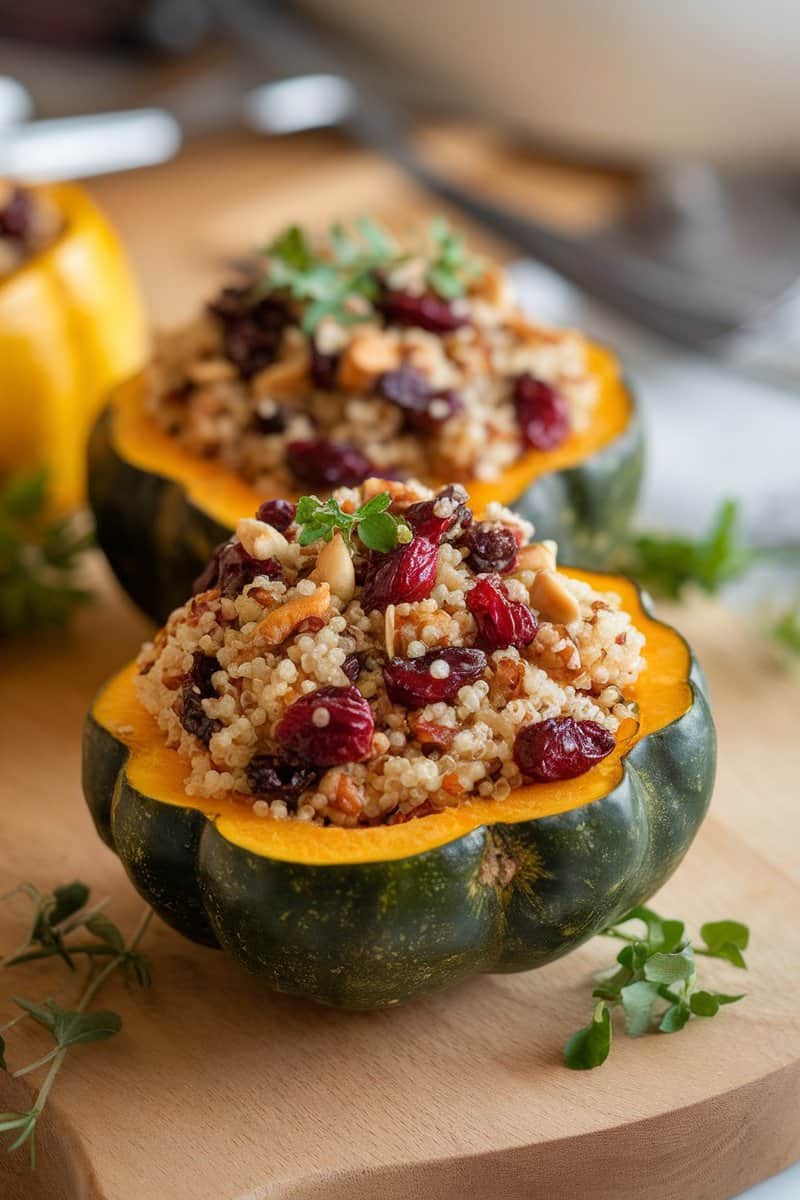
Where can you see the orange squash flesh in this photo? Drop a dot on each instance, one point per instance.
(224, 496)
(663, 694)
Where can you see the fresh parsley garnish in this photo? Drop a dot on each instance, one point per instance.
(58, 927)
(343, 279)
(39, 557)
(654, 982)
(376, 527)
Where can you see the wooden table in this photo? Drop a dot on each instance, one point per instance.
(219, 1090)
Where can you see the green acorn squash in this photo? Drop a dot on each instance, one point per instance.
(160, 511)
(361, 918)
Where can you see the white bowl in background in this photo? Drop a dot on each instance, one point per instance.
(630, 80)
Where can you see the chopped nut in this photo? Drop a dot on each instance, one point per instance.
(335, 567)
(552, 599)
(285, 619)
(370, 352)
(262, 540)
(211, 370)
(348, 795)
(286, 378)
(539, 556)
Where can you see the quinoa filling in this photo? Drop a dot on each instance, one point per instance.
(28, 223)
(367, 358)
(381, 655)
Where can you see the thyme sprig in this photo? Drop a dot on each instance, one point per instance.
(654, 982)
(57, 918)
(39, 557)
(377, 528)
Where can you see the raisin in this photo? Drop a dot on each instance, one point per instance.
(271, 776)
(277, 513)
(252, 327)
(490, 548)
(231, 568)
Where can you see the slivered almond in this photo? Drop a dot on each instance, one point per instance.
(539, 556)
(289, 377)
(335, 567)
(277, 625)
(389, 629)
(369, 353)
(552, 599)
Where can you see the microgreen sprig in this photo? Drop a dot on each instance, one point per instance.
(376, 527)
(39, 557)
(654, 982)
(57, 917)
(452, 268)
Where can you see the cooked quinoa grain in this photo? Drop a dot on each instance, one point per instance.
(395, 379)
(303, 700)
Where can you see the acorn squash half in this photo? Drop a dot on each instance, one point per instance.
(72, 326)
(361, 918)
(160, 511)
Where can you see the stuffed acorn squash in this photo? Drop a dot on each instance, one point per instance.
(386, 746)
(361, 361)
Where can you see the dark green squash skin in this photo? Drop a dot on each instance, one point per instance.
(157, 541)
(505, 897)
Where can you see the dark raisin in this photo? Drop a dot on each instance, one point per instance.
(323, 369)
(231, 568)
(409, 681)
(501, 622)
(561, 748)
(270, 776)
(352, 666)
(541, 413)
(343, 735)
(427, 311)
(424, 408)
(198, 687)
(327, 464)
(491, 547)
(277, 513)
(252, 328)
(274, 422)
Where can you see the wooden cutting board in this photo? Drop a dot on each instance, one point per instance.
(219, 1090)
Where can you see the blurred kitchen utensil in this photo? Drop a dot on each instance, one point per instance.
(15, 102)
(621, 80)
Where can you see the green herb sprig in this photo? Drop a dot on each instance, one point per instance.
(342, 279)
(39, 557)
(376, 527)
(60, 920)
(654, 982)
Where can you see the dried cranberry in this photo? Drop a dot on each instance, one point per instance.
(271, 776)
(491, 547)
(561, 748)
(424, 408)
(277, 513)
(16, 218)
(352, 666)
(427, 311)
(323, 369)
(420, 516)
(252, 328)
(327, 464)
(405, 574)
(345, 735)
(409, 681)
(198, 687)
(275, 422)
(541, 413)
(501, 622)
(231, 568)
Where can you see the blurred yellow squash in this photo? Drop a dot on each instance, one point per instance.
(72, 326)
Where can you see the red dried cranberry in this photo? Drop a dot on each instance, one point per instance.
(16, 218)
(561, 748)
(347, 736)
(274, 423)
(427, 311)
(327, 464)
(252, 328)
(323, 369)
(541, 413)
(198, 687)
(405, 574)
(409, 680)
(424, 408)
(277, 513)
(491, 548)
(422, 515)
(270, 776)
(231, 568)
(501, 622)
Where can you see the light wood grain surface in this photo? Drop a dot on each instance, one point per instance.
(219, 1090)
